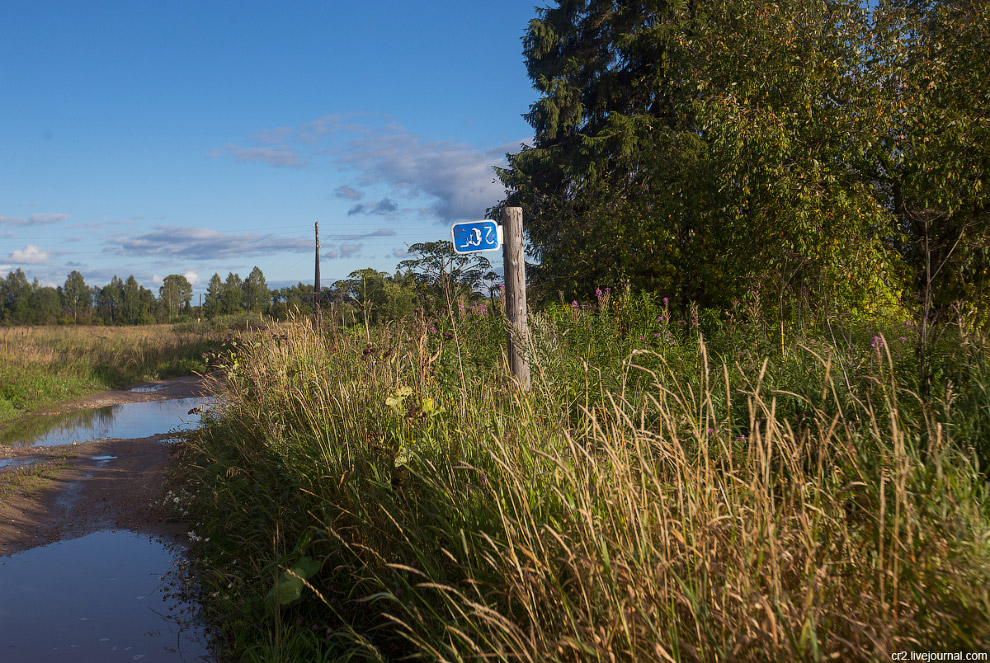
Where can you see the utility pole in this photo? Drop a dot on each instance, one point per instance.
(317, 314)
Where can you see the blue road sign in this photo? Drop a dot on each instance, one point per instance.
(472, 236)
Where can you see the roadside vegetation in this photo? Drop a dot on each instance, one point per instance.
(40, 366)
(689, 488)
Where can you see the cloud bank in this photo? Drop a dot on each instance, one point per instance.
(185, 242)
(443, 179)
(33, 220)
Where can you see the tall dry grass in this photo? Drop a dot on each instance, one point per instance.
(423, 507)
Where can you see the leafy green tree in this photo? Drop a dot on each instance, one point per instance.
(16, 297)
(294, 300)
(76, 295)
(109, 299)
(704, 150)
(45, 305)
(175, 294)
(366, 288)
(938, 86)
(439, 271)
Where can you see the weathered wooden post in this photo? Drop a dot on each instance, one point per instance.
(514, 261)
(317, 313)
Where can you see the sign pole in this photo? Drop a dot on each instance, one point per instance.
(317, 313)
(515, 294)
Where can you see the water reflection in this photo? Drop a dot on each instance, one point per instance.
(124, 421)
(102, 597)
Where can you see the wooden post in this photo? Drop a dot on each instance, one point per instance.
(515, 294)
(317, 313)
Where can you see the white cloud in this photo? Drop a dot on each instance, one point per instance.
(158, 280)
(457, 179)
(192, 277)
(29, 255)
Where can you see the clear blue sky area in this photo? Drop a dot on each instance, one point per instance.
(156, 137)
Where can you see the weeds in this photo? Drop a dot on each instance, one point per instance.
(42, 365)
(713, 498)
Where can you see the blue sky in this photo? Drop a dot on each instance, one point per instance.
(156, 137)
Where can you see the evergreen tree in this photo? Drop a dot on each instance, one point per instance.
(214, 292)
(232, 297)
(256, 295)
(130, 303)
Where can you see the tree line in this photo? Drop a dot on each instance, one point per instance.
(432, 276)
(120, 302)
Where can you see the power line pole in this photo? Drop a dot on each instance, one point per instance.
(317, 314)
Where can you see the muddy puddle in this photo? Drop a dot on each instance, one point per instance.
(121, 421)
(108, 596)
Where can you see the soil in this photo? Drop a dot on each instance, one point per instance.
(67, 492)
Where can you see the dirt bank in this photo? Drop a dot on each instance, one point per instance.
(72, 490)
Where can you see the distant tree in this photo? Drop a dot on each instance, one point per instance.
(109, 299)
(132, 310)
(256, 294)
(45, 305)
(366, 288)
(232, 298)
(439, 270)
(17, 293)
(175, 294)
(76, 295)
(214, 294)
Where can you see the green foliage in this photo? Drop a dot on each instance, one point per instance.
(439, 272)
(814, 152)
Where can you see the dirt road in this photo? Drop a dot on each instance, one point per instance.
(73, 490)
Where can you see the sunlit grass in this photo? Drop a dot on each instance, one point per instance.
(647, 501)
(42, 365)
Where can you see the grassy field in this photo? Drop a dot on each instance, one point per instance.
(43, 365)
(704, 489)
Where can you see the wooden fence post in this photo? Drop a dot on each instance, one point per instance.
(515, 294)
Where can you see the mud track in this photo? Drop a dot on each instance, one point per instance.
(68, 493)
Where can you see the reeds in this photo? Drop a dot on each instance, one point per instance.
(669, 512)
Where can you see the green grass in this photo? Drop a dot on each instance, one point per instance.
(711, 494)
(40, 366)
